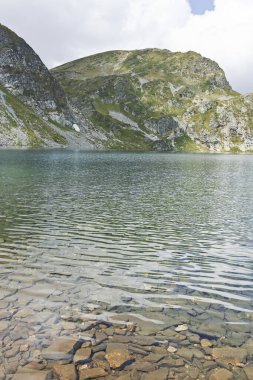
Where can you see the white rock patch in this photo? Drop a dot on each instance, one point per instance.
(76, 128)
(124, 119)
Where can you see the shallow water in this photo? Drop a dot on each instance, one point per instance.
(91, 228)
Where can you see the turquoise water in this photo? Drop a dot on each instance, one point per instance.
(165, 230)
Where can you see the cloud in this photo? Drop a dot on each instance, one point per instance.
(63, 30)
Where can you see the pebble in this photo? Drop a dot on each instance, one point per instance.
(206, 343)
(172, 349)
(181, 328)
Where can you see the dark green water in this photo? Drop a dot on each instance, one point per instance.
(167, 230)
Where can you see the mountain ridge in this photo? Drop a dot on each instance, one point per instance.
(162, 100)
(148, 99)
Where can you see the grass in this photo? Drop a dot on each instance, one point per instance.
(34, 127)
(185, 144)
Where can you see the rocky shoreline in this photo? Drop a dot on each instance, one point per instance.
(108, 350)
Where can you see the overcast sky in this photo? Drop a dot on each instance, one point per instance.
(63, 30)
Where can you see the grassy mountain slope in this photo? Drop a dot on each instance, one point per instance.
(156, 99)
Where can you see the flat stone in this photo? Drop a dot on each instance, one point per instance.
(91, 373)
(248, 345)
(172, 363)
(206, 343)
(4, 325)
(221, 374)
(204, 334)
(12, 352)
(100, 347)
(137, 350)
(213, 326)
(24, 313)
(145, 341)
(19, 333)
(24, 347)
(230, 355)
(127, 376)
(154, 358)
(40, 375)
(11, 366)
(121, 339)
(4, 314)
(61, 349)
(82, 355)
(185, 353)
(2, 374)
(141, 366)
(208, 365)
(160, 374)
(100, 363)
(172, 349)
(119, 331)
(100, 338)
(65, 372)
(117, 355)
(177, 338)
(192, 373)
(33, 366)
(193, 338)
(197, 353)
(249, 372)
(68, 326)
(181, 328)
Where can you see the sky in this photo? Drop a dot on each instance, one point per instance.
(63, 30)
(200, 6)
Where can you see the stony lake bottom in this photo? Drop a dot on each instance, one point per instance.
(94, 242)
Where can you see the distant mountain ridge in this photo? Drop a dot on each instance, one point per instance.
(147, 99)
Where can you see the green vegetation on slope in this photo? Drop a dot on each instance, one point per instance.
(181, 100)
(23, 126)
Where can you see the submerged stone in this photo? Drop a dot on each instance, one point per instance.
(221, 374)
(65, 372)
(61, 349)
(117, 355)
(82, 355)
(248, 370)
(229, 355)
(181, 328)
(91, 373)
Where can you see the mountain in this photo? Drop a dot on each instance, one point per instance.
(34, 109)
(147, 99)
(158, 100)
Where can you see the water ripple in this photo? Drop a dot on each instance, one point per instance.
(168, 229)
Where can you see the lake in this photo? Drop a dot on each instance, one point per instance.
(144, 237)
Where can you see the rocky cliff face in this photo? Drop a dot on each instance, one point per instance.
(156, 99)
(34, 109)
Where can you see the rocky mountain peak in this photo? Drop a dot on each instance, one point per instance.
(23, 73)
